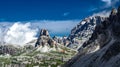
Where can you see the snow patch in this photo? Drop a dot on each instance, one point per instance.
(83, 22)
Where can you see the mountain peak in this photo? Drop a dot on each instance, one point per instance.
(44, 32)
(44, 39)
(83, 31)
(102, 48)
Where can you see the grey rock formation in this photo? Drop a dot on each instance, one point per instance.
(61, 40)
(44, 32)
(83, 31)
(45, 39)
(103, 48)
(8, 49)
(85, 27)
(118, 13)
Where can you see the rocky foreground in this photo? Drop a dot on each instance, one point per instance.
(103, 47)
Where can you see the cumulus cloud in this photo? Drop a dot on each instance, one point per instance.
(4, 26)
(102, 13)
(109, 3)
(20, 33)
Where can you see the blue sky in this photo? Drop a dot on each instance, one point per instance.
(58, 16)
(26, 10)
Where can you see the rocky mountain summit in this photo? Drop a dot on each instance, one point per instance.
(44, 39)
(103, 47)
(46, 43)
(83, 31)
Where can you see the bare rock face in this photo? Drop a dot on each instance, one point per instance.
(45, 43)
(85, 28)
(61, 40)
(8, 49)
(113, 15)
(83, 31)
(118, 13)
(103, 48)
(44, 39)
(44, 32)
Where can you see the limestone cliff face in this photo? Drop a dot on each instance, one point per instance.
(103, 48)
(44, 39)
(45, 43)
(85, 27)
(83, 31)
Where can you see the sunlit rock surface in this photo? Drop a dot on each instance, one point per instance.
(103, 48)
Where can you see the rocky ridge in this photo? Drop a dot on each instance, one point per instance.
(83, 31)
(102, 49)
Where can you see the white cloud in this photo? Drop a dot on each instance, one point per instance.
(66, 13)
(92, 9)
(22, 32)
(102, 13)
(3, 30)
(109, 3)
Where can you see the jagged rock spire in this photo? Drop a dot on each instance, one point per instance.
(118, 12)
(113, 12)
(113, 15)
(44, 32)
(44, 39)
